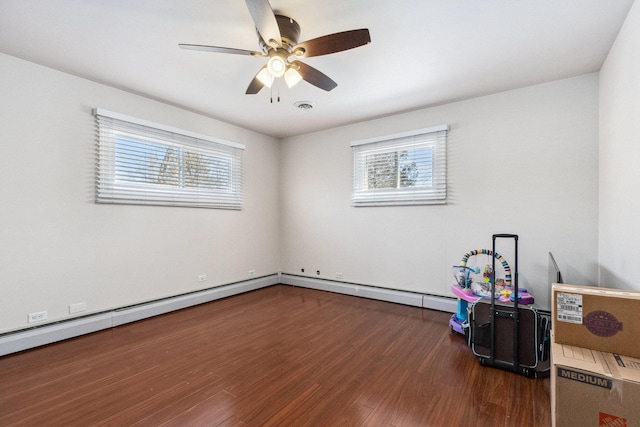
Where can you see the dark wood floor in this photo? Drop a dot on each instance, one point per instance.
(277, 356)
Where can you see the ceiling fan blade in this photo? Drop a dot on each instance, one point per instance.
(314, 76)
(265, 21)
(219, 49)
(332, 43)
(256, 85)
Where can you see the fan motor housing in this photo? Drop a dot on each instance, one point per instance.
(289, 32)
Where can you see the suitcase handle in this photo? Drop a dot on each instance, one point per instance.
(505, 236)
(516, 338)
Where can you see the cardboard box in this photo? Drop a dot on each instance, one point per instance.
(594, 389)
(597, 318)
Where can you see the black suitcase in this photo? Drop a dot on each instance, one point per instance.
(509, 336)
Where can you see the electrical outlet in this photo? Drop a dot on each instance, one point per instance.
(339, 275)
(77, 308)
(252, 273)
(37, 317)
(202, 277)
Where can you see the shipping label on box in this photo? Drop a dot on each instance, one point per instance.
(598, 318)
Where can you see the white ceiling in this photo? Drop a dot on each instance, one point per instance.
(423, 52)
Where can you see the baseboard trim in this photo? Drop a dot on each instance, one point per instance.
(416, 299)
(143, 311)
(440, 303)
(46, 334)
(35, 337)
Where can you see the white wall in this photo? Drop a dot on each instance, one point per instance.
(57, 247)
(523, 162)
(620, 159)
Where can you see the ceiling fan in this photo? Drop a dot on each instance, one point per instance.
(278, 40)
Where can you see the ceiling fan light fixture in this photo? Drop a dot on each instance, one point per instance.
(276, 66)
(278, 37)
(265, 77)
(292, 77)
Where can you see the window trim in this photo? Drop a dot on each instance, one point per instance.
(423, 195)
(158, 126)
(112, 127)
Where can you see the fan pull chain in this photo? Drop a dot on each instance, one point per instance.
(271, 94)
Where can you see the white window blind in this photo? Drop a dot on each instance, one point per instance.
(140, 162)
(401, 169)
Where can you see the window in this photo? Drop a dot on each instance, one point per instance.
(402, 169)
(140, 162)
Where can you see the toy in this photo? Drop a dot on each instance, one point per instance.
(469, 290)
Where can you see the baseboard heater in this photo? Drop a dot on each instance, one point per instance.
(25, 339)
(434, 302)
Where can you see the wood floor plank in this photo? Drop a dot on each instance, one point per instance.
(276, 356)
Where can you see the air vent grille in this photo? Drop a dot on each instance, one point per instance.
(304, 105)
